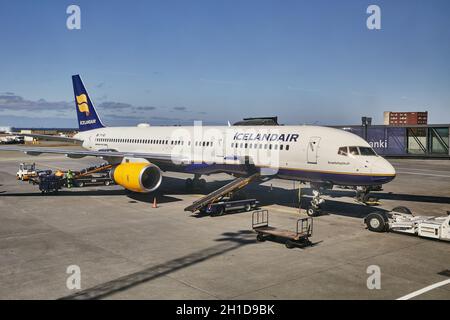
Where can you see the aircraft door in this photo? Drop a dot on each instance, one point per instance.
(313, 148)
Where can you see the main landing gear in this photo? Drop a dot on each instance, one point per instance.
(195, 184)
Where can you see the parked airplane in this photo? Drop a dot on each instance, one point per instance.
(321, 156)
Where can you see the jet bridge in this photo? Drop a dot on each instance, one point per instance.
(231, 187)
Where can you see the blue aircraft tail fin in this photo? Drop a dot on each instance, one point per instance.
(87, 116)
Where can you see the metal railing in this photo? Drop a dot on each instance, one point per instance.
(260, 218)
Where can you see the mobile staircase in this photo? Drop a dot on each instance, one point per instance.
(227, 189)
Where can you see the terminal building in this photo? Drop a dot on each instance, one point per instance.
(428, 141)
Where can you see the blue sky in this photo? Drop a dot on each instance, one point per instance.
(170, 62)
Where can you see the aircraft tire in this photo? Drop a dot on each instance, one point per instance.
(202, 183)
(311, 211)
(189, 184)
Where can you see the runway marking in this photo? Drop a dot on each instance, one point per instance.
(426, 289)
(424, 174)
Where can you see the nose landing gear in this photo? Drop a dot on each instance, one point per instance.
(363, 196)
(313, 208)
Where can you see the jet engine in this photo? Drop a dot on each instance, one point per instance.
(137, 177)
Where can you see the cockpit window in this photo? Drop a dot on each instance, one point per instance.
(343, 151)
(366, 151)
(356, 151)
(353, 151)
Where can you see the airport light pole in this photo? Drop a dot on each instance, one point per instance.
(366, 121)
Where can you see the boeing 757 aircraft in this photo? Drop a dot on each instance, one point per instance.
(321, 156)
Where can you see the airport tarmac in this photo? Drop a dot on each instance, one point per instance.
(128, 250)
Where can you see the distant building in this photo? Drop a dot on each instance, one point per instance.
(405, 118)
(5, 129)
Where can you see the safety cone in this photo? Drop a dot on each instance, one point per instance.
(155, 205)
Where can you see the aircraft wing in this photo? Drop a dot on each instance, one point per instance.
(46, 137)
(86, 153)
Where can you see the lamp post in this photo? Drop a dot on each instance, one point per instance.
(366, 121)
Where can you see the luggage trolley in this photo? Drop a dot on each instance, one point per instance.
(300, 237)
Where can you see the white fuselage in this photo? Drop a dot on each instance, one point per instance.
(305, 153)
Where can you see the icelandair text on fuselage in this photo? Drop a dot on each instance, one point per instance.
(266, 137)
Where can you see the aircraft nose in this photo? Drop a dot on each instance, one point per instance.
(383, 171)
(390, 168)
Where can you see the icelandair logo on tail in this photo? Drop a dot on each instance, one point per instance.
(82, 103)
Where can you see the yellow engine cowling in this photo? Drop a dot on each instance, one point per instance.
(137, 177)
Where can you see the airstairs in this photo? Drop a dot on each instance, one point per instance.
(231, 187)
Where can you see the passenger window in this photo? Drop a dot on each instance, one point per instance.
(275, 147)
(343, 151)
(353, 151)
(281, 147)
(287, 148)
